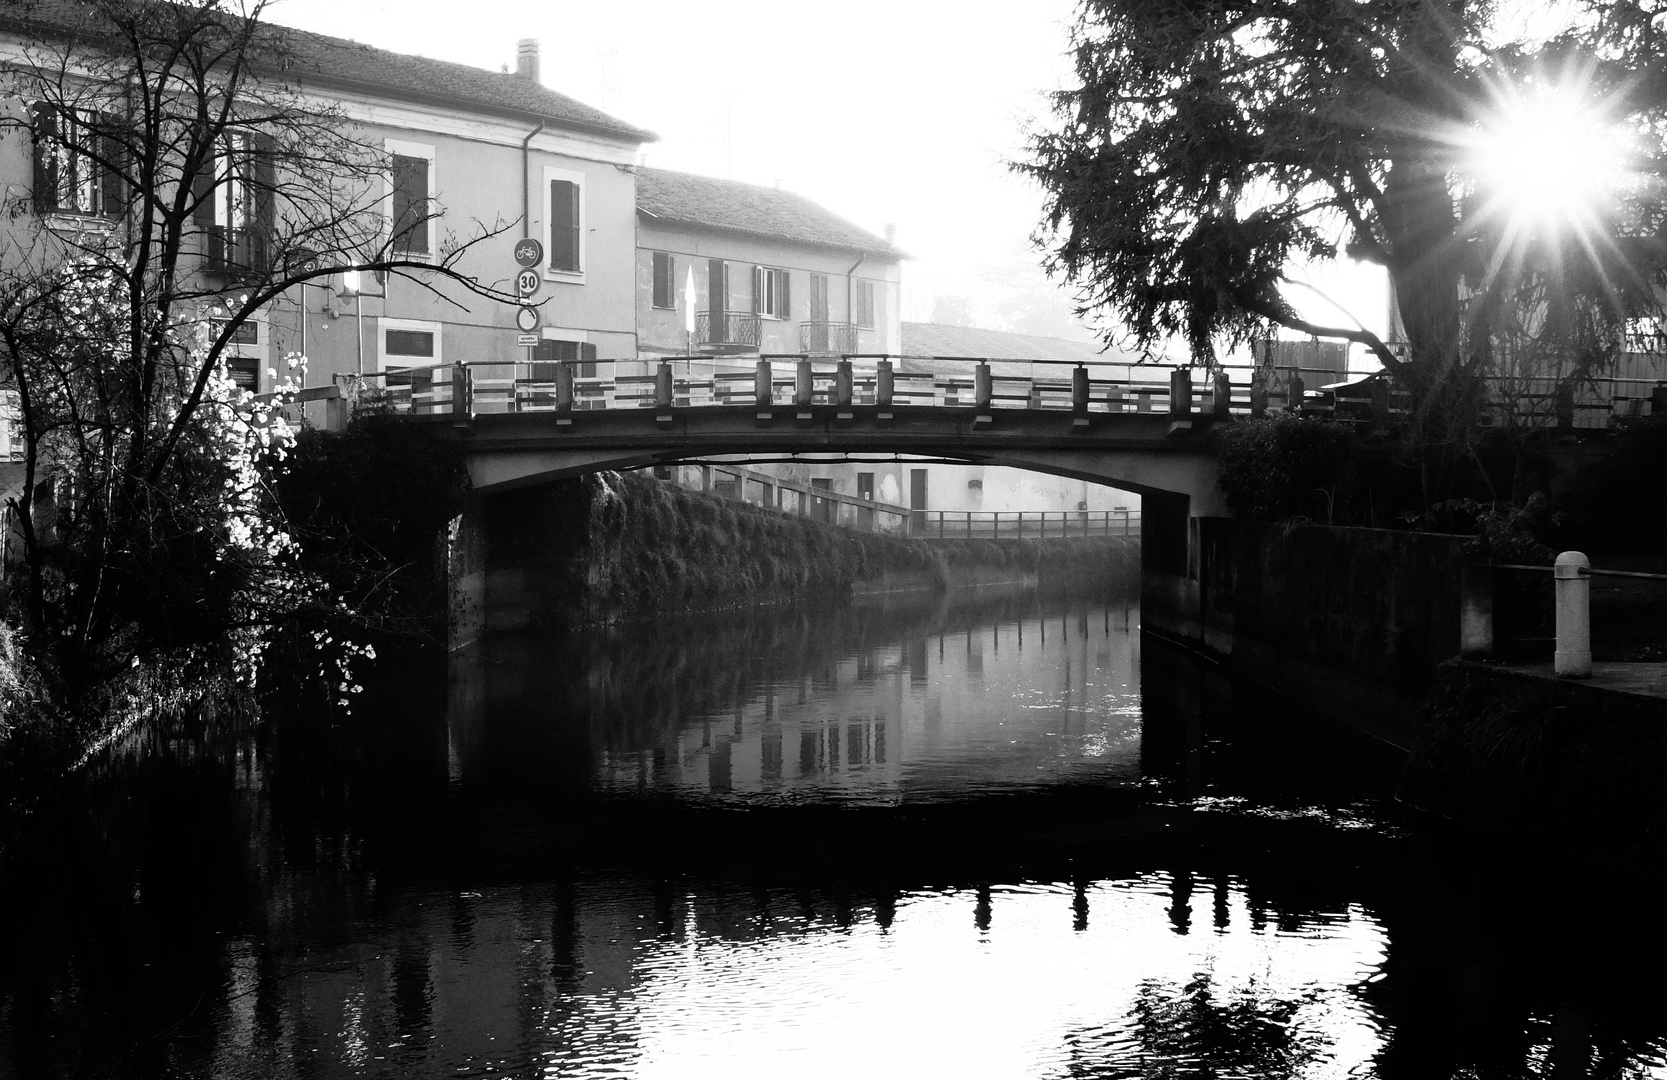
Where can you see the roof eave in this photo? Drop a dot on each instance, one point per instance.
(625, 134)
(851, 249)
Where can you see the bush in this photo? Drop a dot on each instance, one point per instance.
(1288, 467)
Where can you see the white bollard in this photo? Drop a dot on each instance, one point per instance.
(1573, 659)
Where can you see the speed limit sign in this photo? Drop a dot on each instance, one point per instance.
(527, 283)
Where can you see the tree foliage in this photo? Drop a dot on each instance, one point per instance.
(1210, 145)
(186, 178)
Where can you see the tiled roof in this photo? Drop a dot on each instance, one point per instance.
(922, 340)
(331, 60)
(751, 209)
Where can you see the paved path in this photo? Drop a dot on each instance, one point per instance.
(1646, 679)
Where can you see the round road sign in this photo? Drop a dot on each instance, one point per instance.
(527, 283)
(528, 252)
(526, 319)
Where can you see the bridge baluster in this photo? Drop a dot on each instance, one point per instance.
(983, 387)
(804, 385)
(1180, 393)
(1079, 390)
(1221, 395)
(564, 387)
(883, 384)
(761, 392)
(842, 383)
(662, 385)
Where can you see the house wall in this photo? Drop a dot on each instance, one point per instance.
(661, 330)
(477, 181)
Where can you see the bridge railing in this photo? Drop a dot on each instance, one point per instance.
(790, 380)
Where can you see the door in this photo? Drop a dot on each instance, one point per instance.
(822, 509)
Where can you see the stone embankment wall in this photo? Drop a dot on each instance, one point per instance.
(1518, 753)
(619, 547)
(1350, 622)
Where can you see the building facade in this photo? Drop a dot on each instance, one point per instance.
(771, 273)
(471, 159)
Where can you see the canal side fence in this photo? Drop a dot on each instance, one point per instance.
(795, 497)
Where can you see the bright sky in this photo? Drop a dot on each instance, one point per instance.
(881, 110)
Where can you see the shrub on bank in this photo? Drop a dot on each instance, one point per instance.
(654, 547)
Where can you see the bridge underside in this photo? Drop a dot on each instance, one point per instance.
(1150, 454)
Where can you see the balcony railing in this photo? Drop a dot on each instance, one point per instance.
(234, 252)
(727, 331)
(819, 337)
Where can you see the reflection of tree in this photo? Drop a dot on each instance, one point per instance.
(1193, 1031)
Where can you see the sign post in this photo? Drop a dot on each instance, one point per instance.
(528, 254)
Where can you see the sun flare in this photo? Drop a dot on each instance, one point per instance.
(1548, 160)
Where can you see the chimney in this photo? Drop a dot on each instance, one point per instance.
(526, 58)
(891, 233)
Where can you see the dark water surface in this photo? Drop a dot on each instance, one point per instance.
(1010, 838)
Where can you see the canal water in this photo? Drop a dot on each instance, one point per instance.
(986, 837)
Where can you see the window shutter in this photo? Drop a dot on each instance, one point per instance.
(564, 225)
(758, 273)
(784, 302)
(202, 188)
(45, 129)
(587, 351)
(411, 206)
(264, 174)
(113, 189)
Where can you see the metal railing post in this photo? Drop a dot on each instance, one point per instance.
(1573, 658)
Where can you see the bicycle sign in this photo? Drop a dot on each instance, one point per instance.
(528, 252)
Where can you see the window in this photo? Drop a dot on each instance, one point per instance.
(408, 343)
(564, 209)
(665, 280)
(76, 165)
(247, 332)
(819, 298)
(410, 206)
(551, 351)
(234, 204)
(415, 343)
(243, 356)
(769, 292)
(865, 304)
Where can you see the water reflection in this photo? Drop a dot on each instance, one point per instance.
(407, 895)
(926, 700)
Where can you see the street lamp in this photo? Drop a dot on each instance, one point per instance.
(350, 288)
